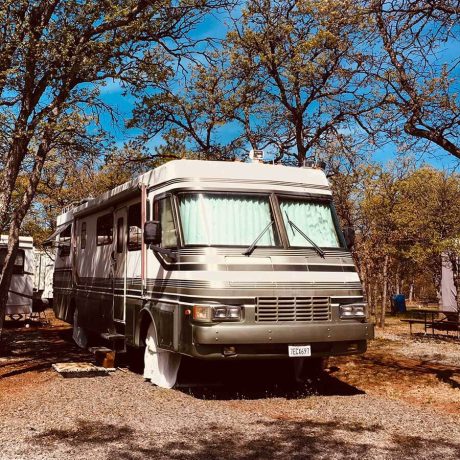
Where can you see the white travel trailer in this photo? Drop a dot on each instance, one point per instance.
(20, 294)
(213, 260)
(43, 275)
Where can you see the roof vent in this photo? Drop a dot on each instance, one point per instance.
(256, 155)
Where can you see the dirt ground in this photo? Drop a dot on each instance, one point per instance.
(399, 400)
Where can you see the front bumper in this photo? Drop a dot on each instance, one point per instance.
(271, 341)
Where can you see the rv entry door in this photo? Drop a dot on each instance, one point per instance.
(119, 264)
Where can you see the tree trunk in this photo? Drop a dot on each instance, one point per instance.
(384, 292)
(16, 222)
(397, 283)
(411, 292)
(370, 310)
(375, 299)
(456, 275)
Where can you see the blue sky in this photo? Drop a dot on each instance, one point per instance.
(216, 26)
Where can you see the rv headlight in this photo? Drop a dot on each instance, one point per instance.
(226, 313)
(208, 313)
(353, 310)
(219, 313)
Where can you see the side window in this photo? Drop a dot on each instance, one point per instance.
(18, 268)
(120, 235)
(134, 227)
(64, 242)
(168, 229)
(83, 235)
(147, 210)
(104, 230)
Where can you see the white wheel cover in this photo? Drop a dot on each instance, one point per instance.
(160, 366)
(79, 334)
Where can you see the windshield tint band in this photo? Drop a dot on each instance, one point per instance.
(226, 219)
(210, 218)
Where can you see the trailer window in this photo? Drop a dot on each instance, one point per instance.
(64, 241)
(314, 218)
(104, 230)
(147, 210)
(226, 219)
(83, 235)
(120, 235)
(168, 228)
(134, 228)
(18, 267)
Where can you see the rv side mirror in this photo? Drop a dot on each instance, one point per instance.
(349, 235)
(152, 232)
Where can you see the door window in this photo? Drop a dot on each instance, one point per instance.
(134, 228)
(104, 229)
(64, 241)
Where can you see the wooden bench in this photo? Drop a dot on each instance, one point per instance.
(413, 321)
(450, 321)
(447, 325)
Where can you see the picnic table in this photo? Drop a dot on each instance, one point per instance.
(436, 320)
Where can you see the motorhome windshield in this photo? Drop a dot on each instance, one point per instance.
(223, 219)
(314, 218)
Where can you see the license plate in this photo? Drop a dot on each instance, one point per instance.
(297, 351)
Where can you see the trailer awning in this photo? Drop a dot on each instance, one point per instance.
(49, 241)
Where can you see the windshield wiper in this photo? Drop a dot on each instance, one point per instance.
(294, 226)
(251, 248)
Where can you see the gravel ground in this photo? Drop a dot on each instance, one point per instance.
(441, 348)
(386, 404)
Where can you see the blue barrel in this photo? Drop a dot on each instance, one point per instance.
(399, 303)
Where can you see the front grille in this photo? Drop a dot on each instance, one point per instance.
(283, 309)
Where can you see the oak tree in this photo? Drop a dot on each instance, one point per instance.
(53, 56)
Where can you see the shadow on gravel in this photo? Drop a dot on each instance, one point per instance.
(87, 432)
(436, 338)
(255, 380)
(388, 365)
(36, 348)
(278, 439)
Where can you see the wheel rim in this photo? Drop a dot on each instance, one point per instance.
(160, 366)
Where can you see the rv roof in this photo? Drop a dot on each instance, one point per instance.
(25, 242)
(199, 170)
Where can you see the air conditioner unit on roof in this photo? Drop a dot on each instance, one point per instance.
(256, 155)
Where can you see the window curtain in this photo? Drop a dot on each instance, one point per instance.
(314, 219)
(225, 220)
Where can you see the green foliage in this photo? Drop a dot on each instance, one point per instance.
(190, 113)
(410, 215)
(54, 57)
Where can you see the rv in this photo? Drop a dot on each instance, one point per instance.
(20, 294)
(43, 275)
(212, 260)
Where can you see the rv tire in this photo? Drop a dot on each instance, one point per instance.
(160, 366)
(306, 368)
